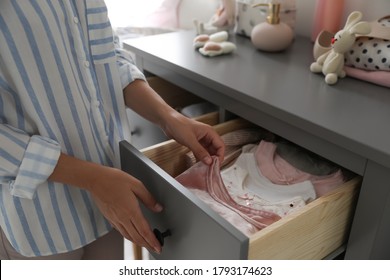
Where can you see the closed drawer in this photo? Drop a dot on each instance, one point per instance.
(312, 232)
(179, 98)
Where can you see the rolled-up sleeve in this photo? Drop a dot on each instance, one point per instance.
(26, 161)
(127, 68)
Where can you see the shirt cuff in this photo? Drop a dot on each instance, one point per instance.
(129, 73)
(38, 163)
(128, 70)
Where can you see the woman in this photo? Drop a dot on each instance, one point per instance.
(64, 87)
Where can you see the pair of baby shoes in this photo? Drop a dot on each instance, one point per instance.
(214, 44)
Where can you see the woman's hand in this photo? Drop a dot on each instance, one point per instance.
(200, 138)
(117, 195)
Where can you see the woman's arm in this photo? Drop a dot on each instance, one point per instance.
(198, 137)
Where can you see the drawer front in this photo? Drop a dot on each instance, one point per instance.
(143, 132)
(197, 231)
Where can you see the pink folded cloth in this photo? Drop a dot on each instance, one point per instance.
(381, 78)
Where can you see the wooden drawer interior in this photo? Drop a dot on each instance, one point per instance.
(312, 232)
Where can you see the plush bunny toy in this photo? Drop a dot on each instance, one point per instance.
(331, 63)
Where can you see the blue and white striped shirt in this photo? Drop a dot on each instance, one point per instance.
(61, 90)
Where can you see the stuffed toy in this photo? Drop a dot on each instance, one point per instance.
(331, 63)
(223, 19)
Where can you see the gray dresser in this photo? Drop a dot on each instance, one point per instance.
(347, 123)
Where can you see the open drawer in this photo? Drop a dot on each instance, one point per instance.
(312, 232)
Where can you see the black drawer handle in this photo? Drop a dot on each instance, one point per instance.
(135, 131)
(161, 235)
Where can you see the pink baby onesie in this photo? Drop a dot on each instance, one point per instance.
(279, 171)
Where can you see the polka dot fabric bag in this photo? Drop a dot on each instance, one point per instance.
(372, 52)
(369, 58)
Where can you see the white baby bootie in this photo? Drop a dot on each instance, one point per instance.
(202, 39)
(214, 49)
(214, 44)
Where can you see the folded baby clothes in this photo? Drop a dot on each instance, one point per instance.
(244, 180)
(207, 178)
(259, 187)
(279, 171)
(381, 78)
(303, 159)
(242, 189)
